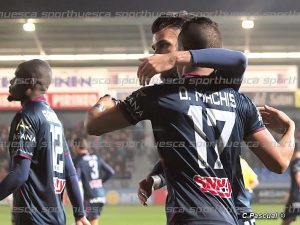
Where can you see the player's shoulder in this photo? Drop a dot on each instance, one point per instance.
(151, 90)
(147, 94)
(29, 112)
(89, 157)
(79, 159)
(243, 100)
(34, 107)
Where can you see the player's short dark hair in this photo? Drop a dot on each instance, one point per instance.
(38, 70)
(80, 142)
(199, 33)
(175, 21)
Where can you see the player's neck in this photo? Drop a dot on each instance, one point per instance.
(200, 71)
(83, 152)
(31, 98)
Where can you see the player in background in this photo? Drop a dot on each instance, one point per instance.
(250, 179)
(41, 163)
(165, 32)
(92, 172)
(292, 209)
(184, 115)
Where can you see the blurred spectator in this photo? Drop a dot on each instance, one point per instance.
(117, 148)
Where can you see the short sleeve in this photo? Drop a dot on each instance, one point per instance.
(138, 106)
(23, 137)
(253, 118)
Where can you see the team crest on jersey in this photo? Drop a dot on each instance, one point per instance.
(23, 124)
(217, 186)
(59, 185)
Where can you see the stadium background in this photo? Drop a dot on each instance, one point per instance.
(94, 56)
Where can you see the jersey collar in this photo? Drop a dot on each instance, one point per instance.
(39, 99)
(36, 99)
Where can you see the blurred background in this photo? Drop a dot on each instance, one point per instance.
(98, 54)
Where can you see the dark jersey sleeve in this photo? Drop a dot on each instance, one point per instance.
(77, 168)
(138, 106)
(23, 135)
(252, 117)
(16, 177)
(158, 170)
(107, 169)
(73, 188)
(228, 64)
(221, 59)
(296, 167)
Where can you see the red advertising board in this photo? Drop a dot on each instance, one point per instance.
(72, 101)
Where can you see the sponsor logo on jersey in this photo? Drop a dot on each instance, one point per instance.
(95, 184)
(59, 185)
(214, 185)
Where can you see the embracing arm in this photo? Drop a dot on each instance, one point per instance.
(222, 59)
(104, 117)
(275, 155)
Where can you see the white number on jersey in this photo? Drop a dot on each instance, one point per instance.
(57, 148)
(95, 171)
(213, 115)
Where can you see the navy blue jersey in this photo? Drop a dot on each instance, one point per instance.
(92, 171)
(240, 197)
(198, 133)
(295, 189)
(37, 134)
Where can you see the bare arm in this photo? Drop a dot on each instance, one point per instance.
(218, 58)
(105, 117)
(275, 155)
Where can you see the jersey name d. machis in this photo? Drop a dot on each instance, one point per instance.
(294, 190)
(198, 131)
(90, 169)
(37, 134)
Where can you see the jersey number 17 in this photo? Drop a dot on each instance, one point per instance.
(213, 115)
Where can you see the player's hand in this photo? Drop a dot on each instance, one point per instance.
(82, 221)
(107, 102)
(275, 119)
(145, 190)
(155, 64)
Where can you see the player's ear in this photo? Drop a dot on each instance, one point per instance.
(28, 92)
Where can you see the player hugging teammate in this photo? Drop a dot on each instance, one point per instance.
(212, 132)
